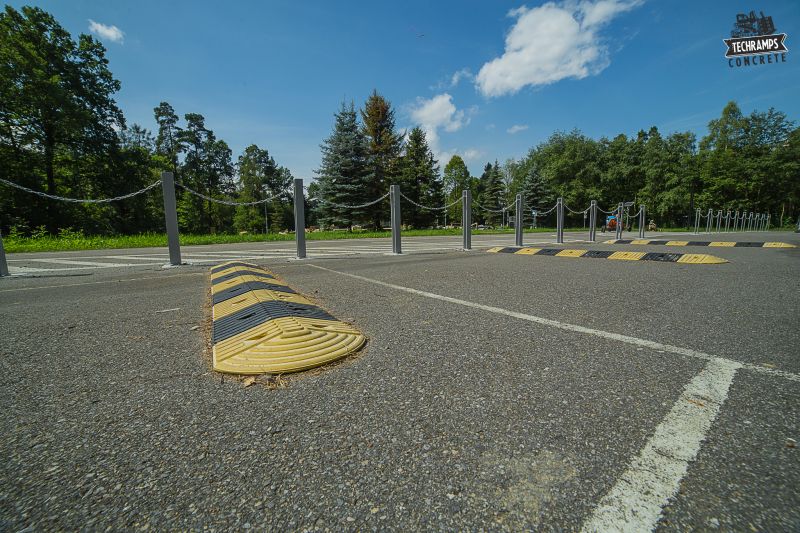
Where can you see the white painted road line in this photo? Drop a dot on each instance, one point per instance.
(71, 262)
(627, 339)
(636, 500)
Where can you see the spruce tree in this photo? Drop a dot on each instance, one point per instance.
(384, 146)
(456, 180)
(343, 175)
(419, 180)
(491, 197)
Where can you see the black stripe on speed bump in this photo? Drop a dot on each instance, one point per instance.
(626, 241)
(260, 313)
(238, 273)
(236, 290)
(598, 254)
(549, 251)
(226, 266)
(507, 250)
(658, 243)
(748, 245)
(661, 256)
(698, 243)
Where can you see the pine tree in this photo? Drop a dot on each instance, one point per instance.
(456, 180)
(256, 168)
(167, 143)
(384, 146)
(491, 196)
(344, 176)
(420, 181)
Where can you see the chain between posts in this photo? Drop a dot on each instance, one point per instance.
(81, 200)
(344, 206)
(430, 208)
(223, 202)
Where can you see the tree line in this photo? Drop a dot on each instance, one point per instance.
(61, 132)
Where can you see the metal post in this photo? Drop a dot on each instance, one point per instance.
(171, 218)
(466, 219)
(299, 218)
(620, 209)
(697, 221)
(768, 220)
(518, 221)
(560, 220)
(3, 263)
(735, 220)
(642, 218)
(719, 220)
(727, 220)
(750, 222)
(593, 221)
(394, 196)
(709, 216)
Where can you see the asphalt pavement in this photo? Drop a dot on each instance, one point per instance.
(497, 392)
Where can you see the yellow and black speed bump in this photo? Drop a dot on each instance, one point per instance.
(713, 244)
(263, 326)
(704, 259)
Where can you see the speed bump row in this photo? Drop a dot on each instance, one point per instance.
(723, 244)
(261, 325)
(618, 256)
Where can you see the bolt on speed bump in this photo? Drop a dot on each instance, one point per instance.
(694, 259)
(261, 325)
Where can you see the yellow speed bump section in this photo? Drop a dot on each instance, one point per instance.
(571, 253)
(528, 251)
(661, 257)
(677, 243)
(701, 259)
(261, 325)
(627, 256)
(778, 245)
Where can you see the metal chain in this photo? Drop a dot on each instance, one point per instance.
(538, 214)
(223, 202)
(430, 208)
(613, 211)
(343, 206)
(491, 210)
(80, 200)
(576, 212)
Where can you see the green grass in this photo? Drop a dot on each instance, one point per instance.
(76, 241)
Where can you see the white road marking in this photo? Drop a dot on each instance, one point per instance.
(627, 339)
(101, 282)
(60, 261)
(635, 502)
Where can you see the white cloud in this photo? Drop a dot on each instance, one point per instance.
(550, 43)
(471, 154)
(439, 113)
(459, 75)
(110, 33)
(516, 128)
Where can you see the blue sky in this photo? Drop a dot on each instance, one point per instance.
(488, 80)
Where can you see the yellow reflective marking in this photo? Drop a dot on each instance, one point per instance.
(627, 256)
(641, 241)
(249, 298)
(236, 269)
(495, 249)
(778, 245)
(286, 345)
(677, 243)
(726, 244)
(571, 253)
(228, 283)
(527, 251)
(701, 259)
